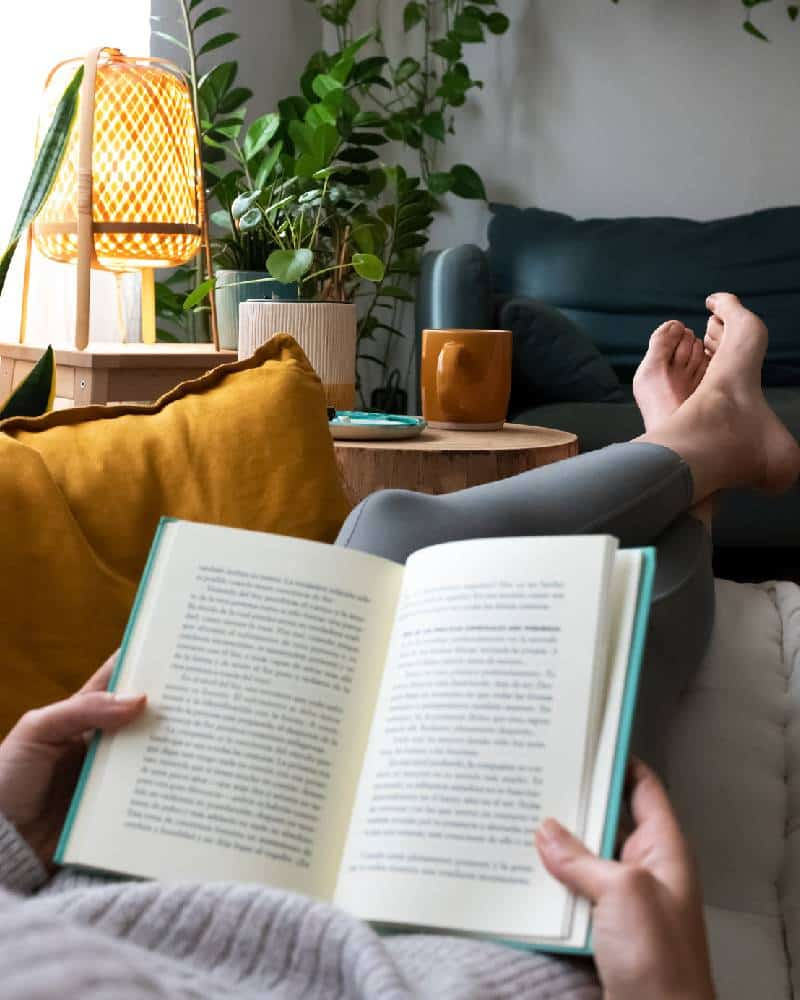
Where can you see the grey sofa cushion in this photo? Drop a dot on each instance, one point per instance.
(733, 771)
(553, 359)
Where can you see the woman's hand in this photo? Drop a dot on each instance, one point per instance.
(648, 929)
(40, 759)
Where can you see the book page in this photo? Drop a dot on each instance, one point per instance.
(480, 733)
(261, 657)
(622, 613)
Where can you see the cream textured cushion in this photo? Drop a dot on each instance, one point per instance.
(734, 777)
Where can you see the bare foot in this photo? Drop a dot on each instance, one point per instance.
(669, 373)
(726, 429)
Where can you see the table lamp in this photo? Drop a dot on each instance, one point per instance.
(128, 196)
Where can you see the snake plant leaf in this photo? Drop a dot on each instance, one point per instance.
(198, 294)
(48, 161)
(35, 394)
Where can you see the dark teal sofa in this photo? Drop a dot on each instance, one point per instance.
(583, 297)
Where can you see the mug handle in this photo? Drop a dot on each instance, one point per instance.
(451, 358)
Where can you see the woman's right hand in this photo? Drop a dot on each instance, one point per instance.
(41, 757)
(647, 923)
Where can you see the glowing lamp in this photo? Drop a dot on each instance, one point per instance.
(129, 193)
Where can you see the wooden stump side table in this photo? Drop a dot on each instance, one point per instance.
(443, 461)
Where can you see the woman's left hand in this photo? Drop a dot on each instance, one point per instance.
(41, 757)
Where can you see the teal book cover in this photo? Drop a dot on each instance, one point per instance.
(627, 716)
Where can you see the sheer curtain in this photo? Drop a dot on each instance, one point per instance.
(49, 31)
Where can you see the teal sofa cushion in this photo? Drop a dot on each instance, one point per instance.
(617, 279)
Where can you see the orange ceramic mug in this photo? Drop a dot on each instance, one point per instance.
(466, 378)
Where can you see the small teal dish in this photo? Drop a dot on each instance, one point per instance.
(356, 425)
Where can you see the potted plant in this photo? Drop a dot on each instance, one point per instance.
(374, 219)
(291, 202)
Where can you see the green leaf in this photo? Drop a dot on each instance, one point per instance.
(433, 125)
(368, 139)
(289, 266)
(466, 182)
(342, 68)
(413, 13)
(199, 294)
(350, 51)
(243, 203)
(165, 337)
(448, 48)
(366, 70)
(301, 135)
(467, 28)
(45, 168)
(318, 114)
(210, 15)
(358, 154)
(234, 100)
(221, 218)
(324, 84)
(793, 10)
(267, 165)
(497, 23)
(411, 242)
(218, 81)
(367, 119)
(217, 42)
(440, 183)
(368, 266)
(260, 133)
(250, 220)
(171, 39)
(751, 29)
(34, 395)
(396, 292)
(406, 68)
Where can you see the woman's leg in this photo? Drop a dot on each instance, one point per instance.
(638, 492)
(722, 435)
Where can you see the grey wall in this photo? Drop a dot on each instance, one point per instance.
(277, 37)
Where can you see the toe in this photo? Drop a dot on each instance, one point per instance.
(697, 358)
(683, 352)
(666, 338)
(714, 330)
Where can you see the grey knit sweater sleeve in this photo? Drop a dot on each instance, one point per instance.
(79, 937)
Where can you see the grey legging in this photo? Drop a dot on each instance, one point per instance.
(640, 493)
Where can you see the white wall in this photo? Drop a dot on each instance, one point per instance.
(58, 35)
(277, 38)
(644, 107)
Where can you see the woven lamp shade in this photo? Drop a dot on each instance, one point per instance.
(146, 202)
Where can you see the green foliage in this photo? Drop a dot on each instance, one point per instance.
(48, 160)
(308, 191)
(220, 108)
(34, 395)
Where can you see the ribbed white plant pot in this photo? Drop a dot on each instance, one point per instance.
(325, 330)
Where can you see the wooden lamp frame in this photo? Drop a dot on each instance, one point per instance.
(103, 373)
(86, 226)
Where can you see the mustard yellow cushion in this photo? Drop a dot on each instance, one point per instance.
(82, 491)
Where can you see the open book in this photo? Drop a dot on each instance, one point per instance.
(380, 736)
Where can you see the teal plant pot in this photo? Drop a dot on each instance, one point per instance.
(231, 292)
